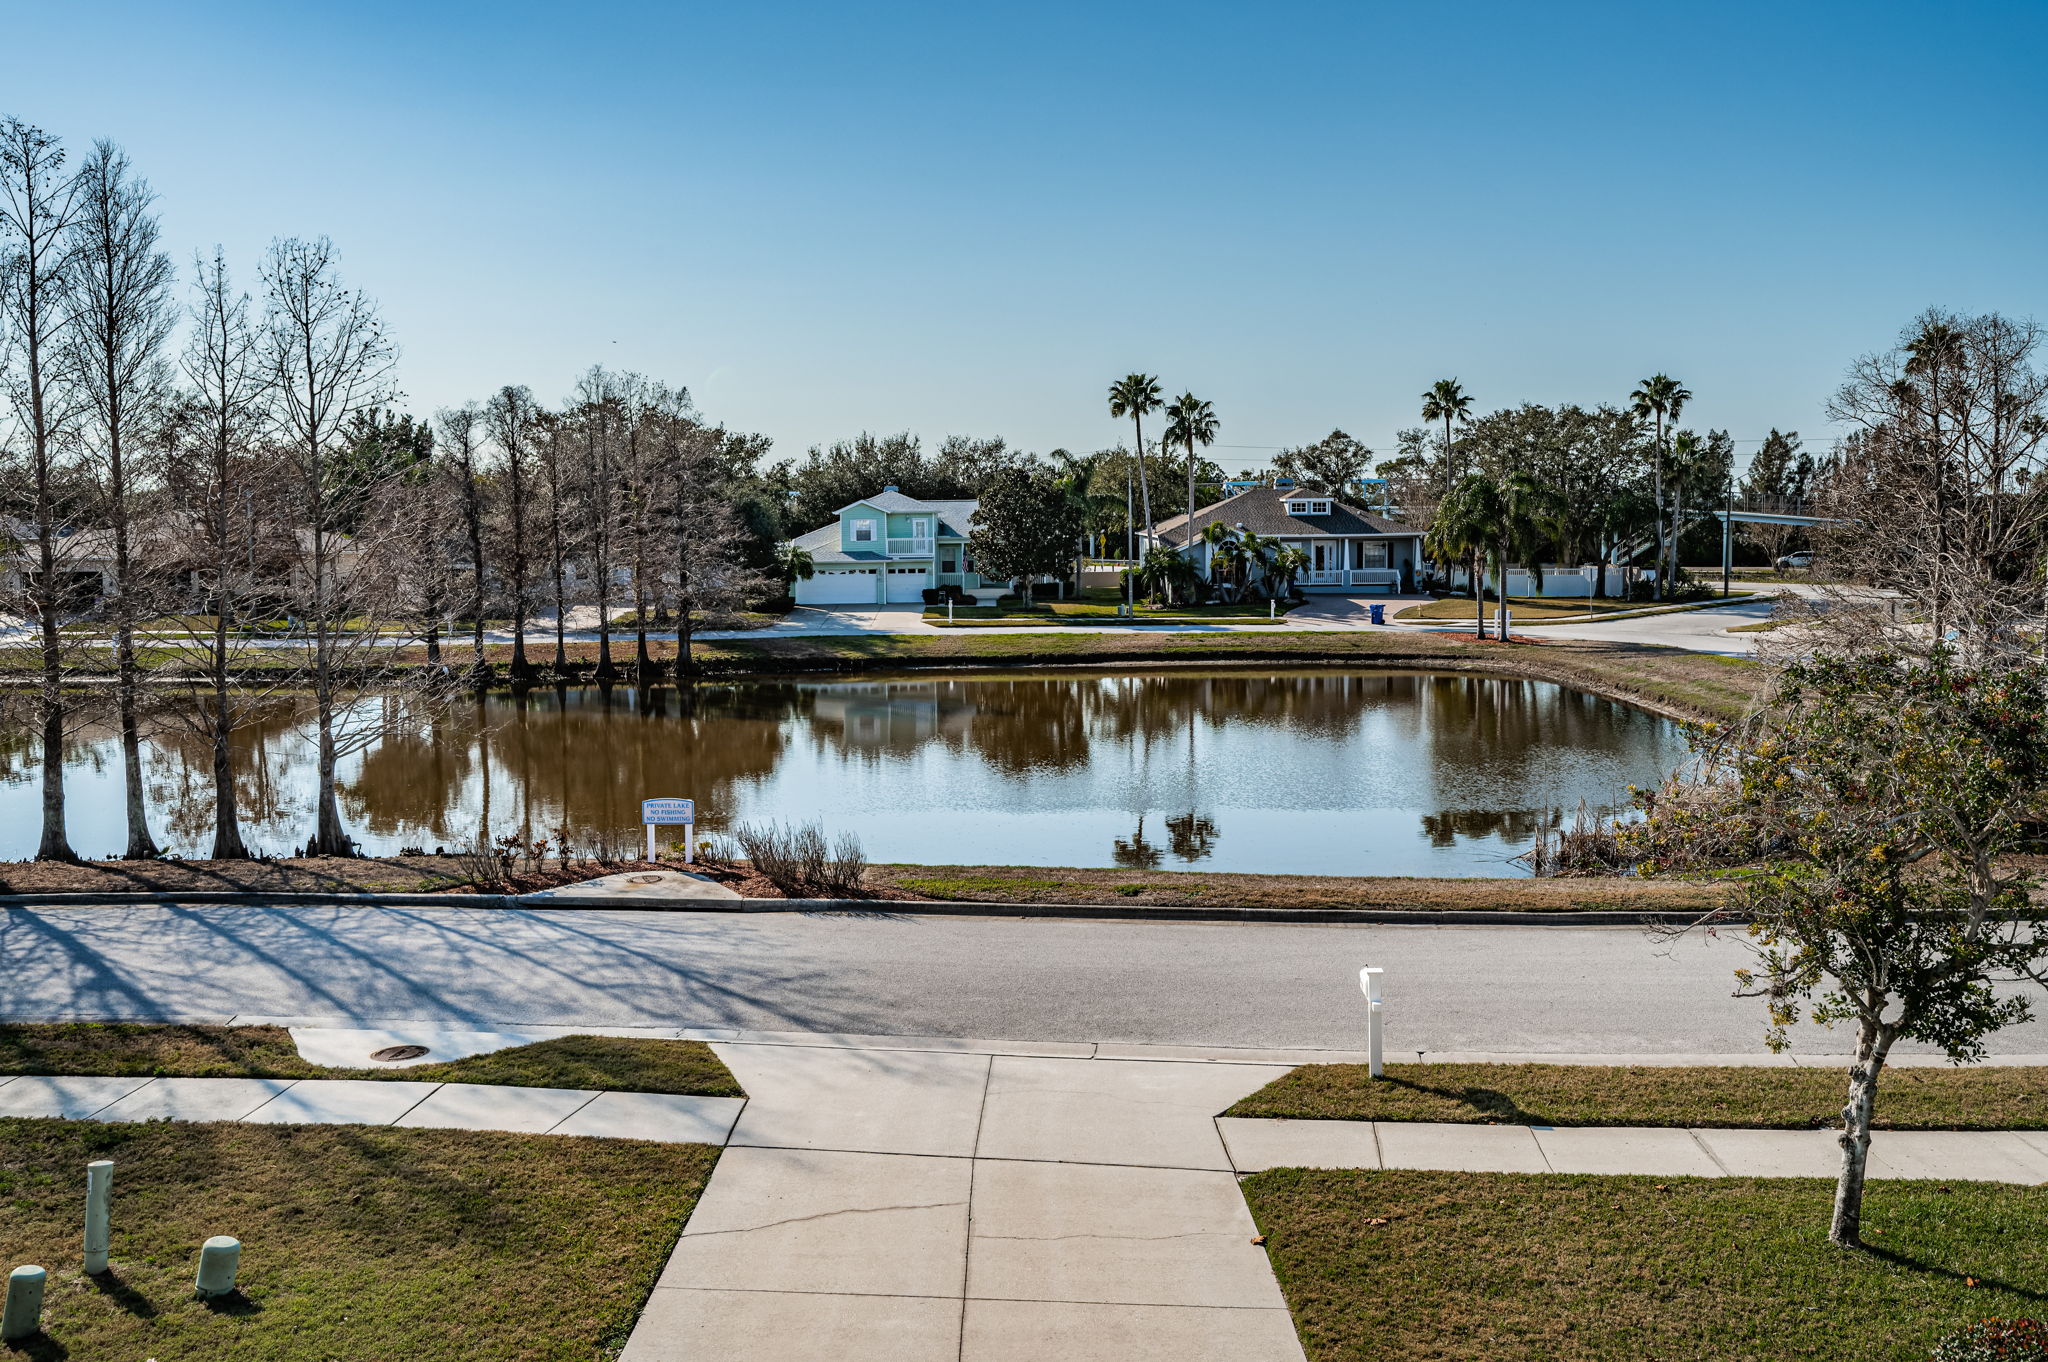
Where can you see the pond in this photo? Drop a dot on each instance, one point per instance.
(1312, 772)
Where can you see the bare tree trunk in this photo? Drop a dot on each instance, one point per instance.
(227, 823)
(1873, 1046)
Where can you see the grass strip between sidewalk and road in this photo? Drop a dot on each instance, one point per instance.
(130, 1050)
(1397, 1266)
(1993, 1097)
(357, 1241)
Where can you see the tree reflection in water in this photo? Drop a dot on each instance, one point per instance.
(1382, 773)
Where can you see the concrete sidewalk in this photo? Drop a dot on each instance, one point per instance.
(377, 1102)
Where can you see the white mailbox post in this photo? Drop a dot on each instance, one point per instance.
(1369, 985)
(669, 813)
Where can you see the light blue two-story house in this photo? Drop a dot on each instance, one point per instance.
(890, 549)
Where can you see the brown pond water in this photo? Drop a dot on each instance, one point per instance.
(1322, 772)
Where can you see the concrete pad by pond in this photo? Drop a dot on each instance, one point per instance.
(1073, 1331)
(1258, 1143)
(630, 887)
(195, 1099)
(1774, 1153)
(880, 1101)
(489, 1106)
(814, 1220)
(69, 1097)
(351, 1048)
(1459, 1148)
(668, 1117)
(1612, 1149)
(683, 1324)
(1960, 1155)
(1110, 1111)
(1132, 1236)
(342, 1101)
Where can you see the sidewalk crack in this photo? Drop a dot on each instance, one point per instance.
(823, 1215)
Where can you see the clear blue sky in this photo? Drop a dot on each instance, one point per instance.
(968, 219)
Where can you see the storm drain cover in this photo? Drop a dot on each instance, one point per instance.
(645, 879)
(391, 1054)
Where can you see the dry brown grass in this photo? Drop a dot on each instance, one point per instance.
(1501, 1267)
(1997, 1097)
(359, 1242)
(1193, 888)
(133, 1049)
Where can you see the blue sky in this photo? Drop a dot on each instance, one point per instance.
(970, 218)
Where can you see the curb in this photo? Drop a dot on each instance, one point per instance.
(1422, 917)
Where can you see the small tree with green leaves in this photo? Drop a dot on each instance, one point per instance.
(1879, 804)
(1023, 527)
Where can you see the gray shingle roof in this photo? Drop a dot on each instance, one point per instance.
(1263, 511)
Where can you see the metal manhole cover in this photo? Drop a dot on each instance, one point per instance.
(645, 879)
(391, 1054)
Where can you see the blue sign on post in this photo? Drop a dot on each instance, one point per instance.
(667, 812)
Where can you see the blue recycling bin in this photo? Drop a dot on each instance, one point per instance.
(1379, 612)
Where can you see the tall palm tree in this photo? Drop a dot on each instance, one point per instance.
(1446, 401)
(1137, 396)
(1938, 347)
(1662, 397)
(1189, 422)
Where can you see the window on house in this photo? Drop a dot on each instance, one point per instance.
(863, 531)
(1309, 506)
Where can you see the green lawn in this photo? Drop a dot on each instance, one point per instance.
(1098, 603)
(612, 1063)
(358, 1243)
(1989, 1098)
(1393, 1266)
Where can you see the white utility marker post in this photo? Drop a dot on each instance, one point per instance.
(99, 1190)
(668, 813)
(23, 1315)
(219, 1257)
(1369, 985)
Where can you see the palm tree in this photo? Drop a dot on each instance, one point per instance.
(1287, 565)
(1137, 396)
(1465, 525)
(1446, 401)
(1190, 421)
(1163, 572)
(1216, 535)
(1939, 346)
(1662, 397)
(795, 565)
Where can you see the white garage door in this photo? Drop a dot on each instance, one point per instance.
(852, 586)
(907, 584)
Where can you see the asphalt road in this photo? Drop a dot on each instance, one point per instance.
(1494, 989)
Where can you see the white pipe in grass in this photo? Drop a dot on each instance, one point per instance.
(218, 1259)
(23, 1317)
(99, 1193)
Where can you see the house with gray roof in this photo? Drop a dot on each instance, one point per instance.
(891, 549)
(1349, 549)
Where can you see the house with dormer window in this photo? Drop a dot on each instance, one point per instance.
(1349, 548)
(889, 549)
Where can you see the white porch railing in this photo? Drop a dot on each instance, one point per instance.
(1372, 577)
(910, 548)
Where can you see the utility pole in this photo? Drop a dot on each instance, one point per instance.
(1728, 531)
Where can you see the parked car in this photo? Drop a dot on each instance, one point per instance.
(1795, 562)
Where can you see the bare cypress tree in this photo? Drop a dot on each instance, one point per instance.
(557, 511)
(122, 314)
(597, 413)
(508, 419)
(329, 359)
(462, 466)
(706, 537)
(220, 472)
(38, 206)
